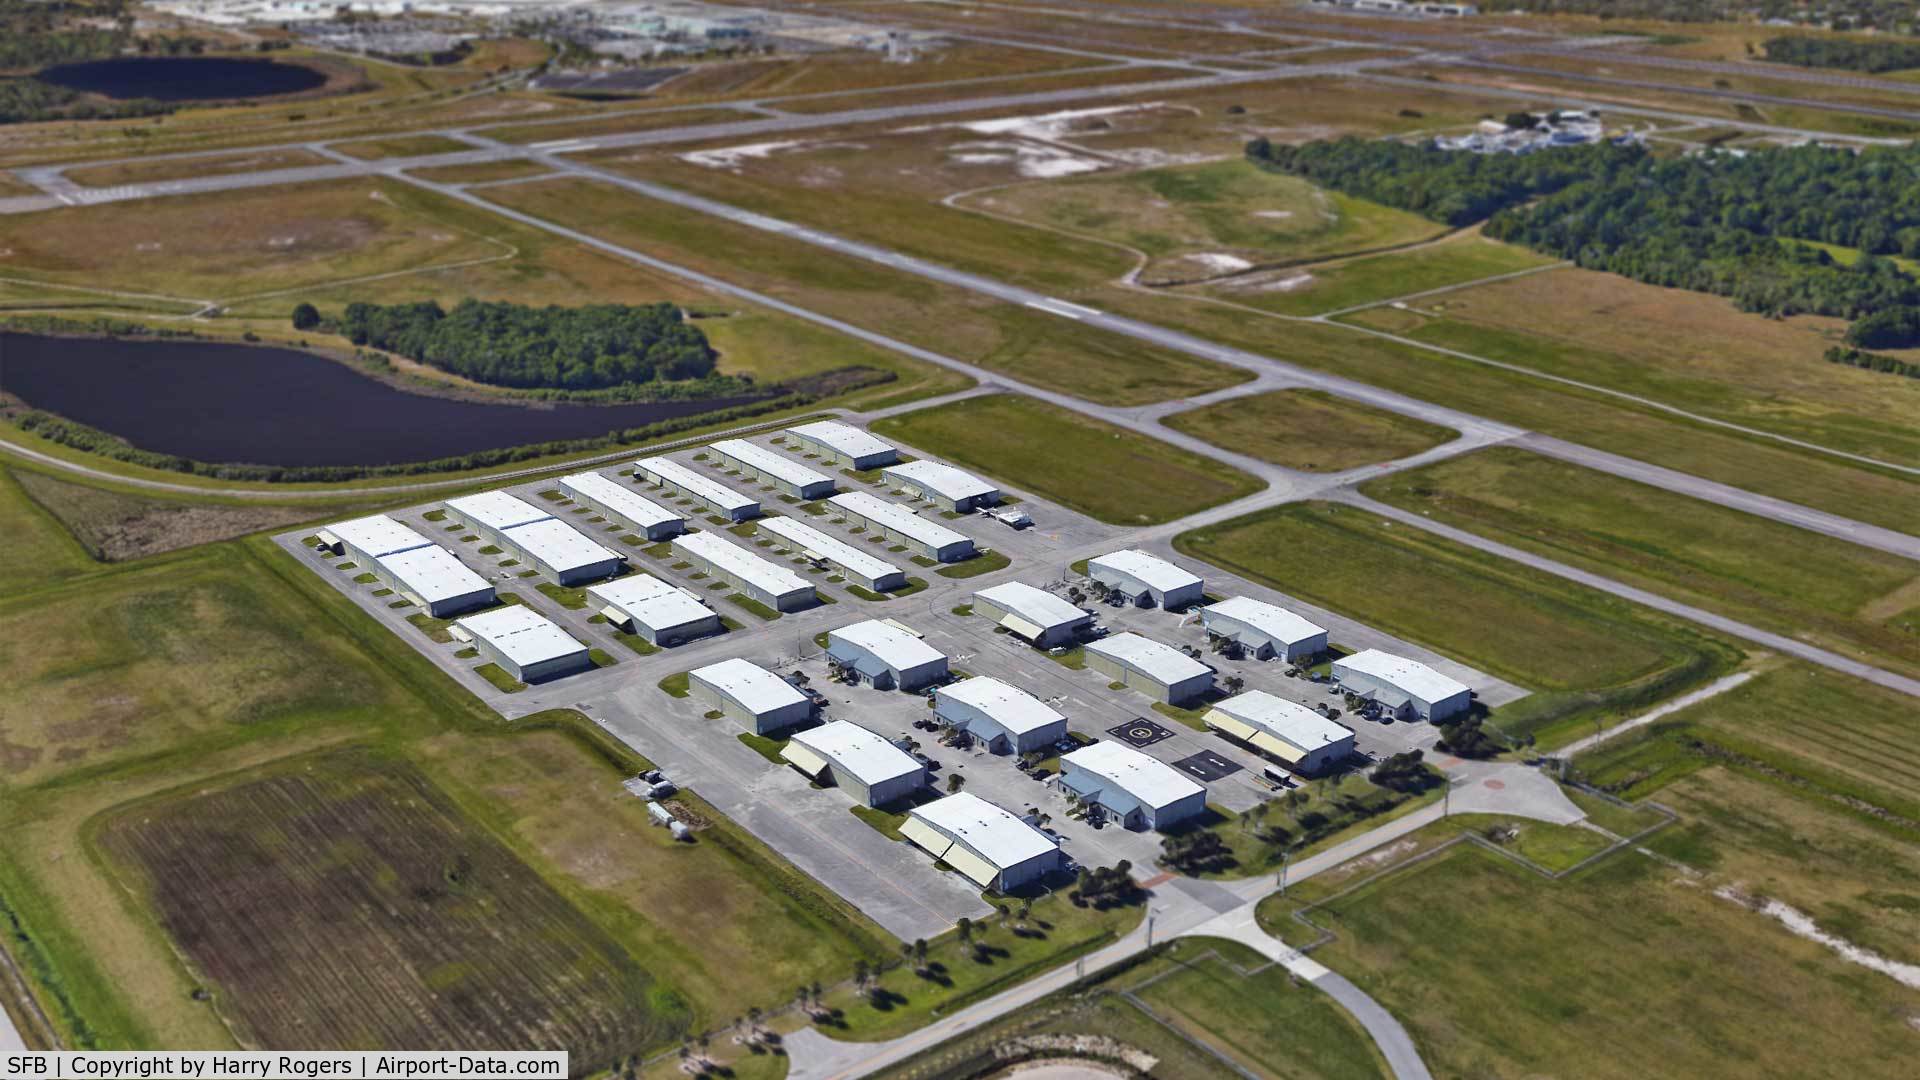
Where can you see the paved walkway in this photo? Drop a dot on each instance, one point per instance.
(1712, 689)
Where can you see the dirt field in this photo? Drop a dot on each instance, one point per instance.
(345, 902)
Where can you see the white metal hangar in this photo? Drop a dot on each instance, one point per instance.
(891, 521)
(622, 505)
(434, 579)
(1005, 718)
(680, 480)
(562, 552)
(659, 611)
(1284, 730)
(1036, 616)
(1264, 629)
(369, 538)
(871, 769)
(945, 486)
(492, 513)
(993, 848)
(751, 694)
(838, 443)
(526, 643)
(787, 476)
(769, 583)
(1406, 687)
(1146, 580)
(1159, 671)
(1140, 791)
(876, 575)
(887, 655)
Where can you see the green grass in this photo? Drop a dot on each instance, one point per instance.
(887, 824)
(1378, 278)
(498, 676)
(601, 658)
(1852, 599)
(754, 607)
(675, 685)
(765, 747)
(39, 551)
(984, 563)
(1072, 459)
(571, 598)
(637, 643)
(1309, 430)
(1589, 658)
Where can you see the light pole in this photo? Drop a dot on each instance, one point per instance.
(1286, 860)
(1152, 913)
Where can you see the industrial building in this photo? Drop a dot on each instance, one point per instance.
(887, 655)
(561, 551)
(771, 584)
(1005, 718)
(839, 443)
(1407, 688)
(756, 697)
(659, 611)
(623, 506)
(1263, 630)
(531, 647)
(877, 575)
(871, 769)
(432, 578)
(492, 513)
(1161, 672)
(1137, 790)
(369, 538)
(787, 476)
(680, 480)
(894, 522)
(1284, 730)
(1033, 615)
(1145, 580)
(945, 486)
(993, 848)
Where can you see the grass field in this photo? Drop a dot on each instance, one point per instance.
(115, 525)
(400, 146)
(1027, 344)
(1072, 459)
(265, 886)
(1338, 284)
(1180, 216)
(1310, 430)
(478, 173)
(149, 172)
(1588, 657)
(39, 551)
(1857, 600)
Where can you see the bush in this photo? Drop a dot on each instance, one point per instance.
(305, 316)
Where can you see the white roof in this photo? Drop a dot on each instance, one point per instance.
(1149, 570)
(773, 463)
(889, 643)
(558, 544)
(1146, 778)
(619, 498)
(522, 634)
(741, 563)
(715, 494)
(1411, 676)
(1289, 721)
(837, 551)
(1011, 707)
(859, 751)
(944, 480)
(650, 601)
(496, 510)
(756, 689)
(1037, 606)
(996, 835)
(844, 438)
(898, 518)
(1275, 622)
(377, 535)
(432, 573)
(1162, 662)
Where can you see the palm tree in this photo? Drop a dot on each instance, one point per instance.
(920, 955)
(965, 927)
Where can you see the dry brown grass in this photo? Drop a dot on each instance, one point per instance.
(115, 526)
(142, 172)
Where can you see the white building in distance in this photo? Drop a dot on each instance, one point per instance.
(839, 443)
(1286, 731)
(1005, 718)
(659, 611)
(1034, 615)
(895, 522)
(1264, 629)
(757, 698)
(561, 551)
(528, 645)
(1146, 580)
(1159, 671)
(767, 582)
(680, 480)
(945, 486)
(787, 476)
(1140, 791)
(871, 573)
(369, 538)
(433, 578)
(871, 769)
(1407, 688)
(622, 505)
(993, 848)
(492, 513)
(887, 655)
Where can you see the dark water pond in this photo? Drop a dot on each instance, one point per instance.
(250, 404)
(183, 78)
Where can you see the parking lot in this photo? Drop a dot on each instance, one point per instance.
(893, 882)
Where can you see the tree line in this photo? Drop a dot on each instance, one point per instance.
(1849, 54)
(1847, 14)
(554, 348)
(1741, 226)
